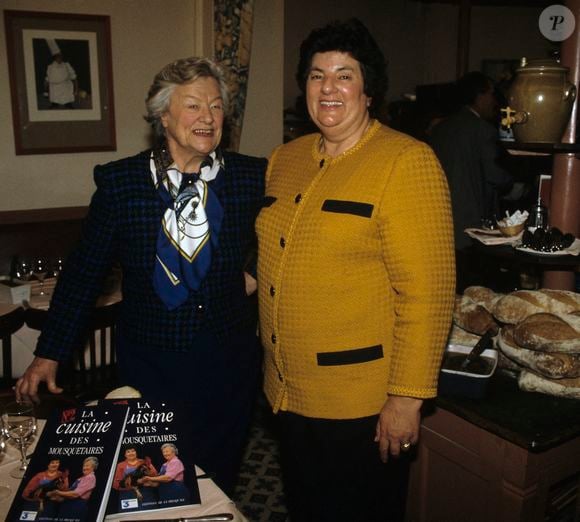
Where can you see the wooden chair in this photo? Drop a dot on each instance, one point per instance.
(10, 323)
(91, 371)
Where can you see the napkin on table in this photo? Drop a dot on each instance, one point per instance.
(492, 237)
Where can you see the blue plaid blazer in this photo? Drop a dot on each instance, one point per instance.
(122, 226)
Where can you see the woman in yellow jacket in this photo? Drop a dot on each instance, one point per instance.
(356, 284)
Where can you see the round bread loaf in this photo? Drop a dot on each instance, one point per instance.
(549, 333)
(473, 317)
(569, 388)
(458, 335)
(551, 365)
(483, 296)
(516, 306)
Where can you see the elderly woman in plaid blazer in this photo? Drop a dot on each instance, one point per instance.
(179, 219)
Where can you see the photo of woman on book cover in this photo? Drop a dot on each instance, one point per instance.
(129, 481)
(74, 501)
(171, 488)
(35, 493)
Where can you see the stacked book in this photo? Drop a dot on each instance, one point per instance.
(113, 461)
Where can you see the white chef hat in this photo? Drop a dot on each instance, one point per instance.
(53, 46)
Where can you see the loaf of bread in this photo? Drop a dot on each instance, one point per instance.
(549, 333)
(459, 336)
(569, 388)
(473, 317)
(550, 365)
(483, 296)
(516, 306)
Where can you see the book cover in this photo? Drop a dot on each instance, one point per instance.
(72, 467)
(155, 468)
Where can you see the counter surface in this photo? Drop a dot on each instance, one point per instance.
(534, 421)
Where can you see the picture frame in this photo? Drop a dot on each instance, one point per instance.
(61, 82)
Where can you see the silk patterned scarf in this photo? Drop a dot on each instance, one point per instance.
(189, 228)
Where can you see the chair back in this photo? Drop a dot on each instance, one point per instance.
(10, 323)
(91, 371)
(94, 370)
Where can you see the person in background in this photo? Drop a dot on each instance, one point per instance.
(179, 219)
(466, 144)
(356, 287)
(61, 82)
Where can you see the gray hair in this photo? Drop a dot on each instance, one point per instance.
(180, 72)
(93, 460)
(172, 446)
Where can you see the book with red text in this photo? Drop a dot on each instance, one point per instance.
(155, 468)
(71, 471)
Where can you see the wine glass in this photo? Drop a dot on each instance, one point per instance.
(23, 270)
(19, 424)
(5, 491)
(39, 270)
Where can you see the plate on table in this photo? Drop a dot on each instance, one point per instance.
(572, 250)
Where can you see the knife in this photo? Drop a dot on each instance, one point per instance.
(216, 517)
(485, 342)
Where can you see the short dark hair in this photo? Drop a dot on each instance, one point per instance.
(350, 37)
(127, 447)
(471, 85)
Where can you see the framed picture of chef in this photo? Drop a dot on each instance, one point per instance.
(60, 82)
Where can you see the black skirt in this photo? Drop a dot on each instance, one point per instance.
(217, 381)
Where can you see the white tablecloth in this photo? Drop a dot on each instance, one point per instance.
(213, 499)
(24, 340)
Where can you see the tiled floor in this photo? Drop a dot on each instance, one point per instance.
(259, 494)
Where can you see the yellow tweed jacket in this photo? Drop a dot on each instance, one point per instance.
(356, 274)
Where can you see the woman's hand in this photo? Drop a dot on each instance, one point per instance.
(40, 370)
(151, 482)
(398, 423)
(251, 284)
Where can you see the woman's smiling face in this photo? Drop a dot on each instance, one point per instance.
(168, 452)
(131, 454)
(53, 465)
(194, 121)
(335, 93)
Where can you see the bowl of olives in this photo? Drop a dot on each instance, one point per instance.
(547, 240)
